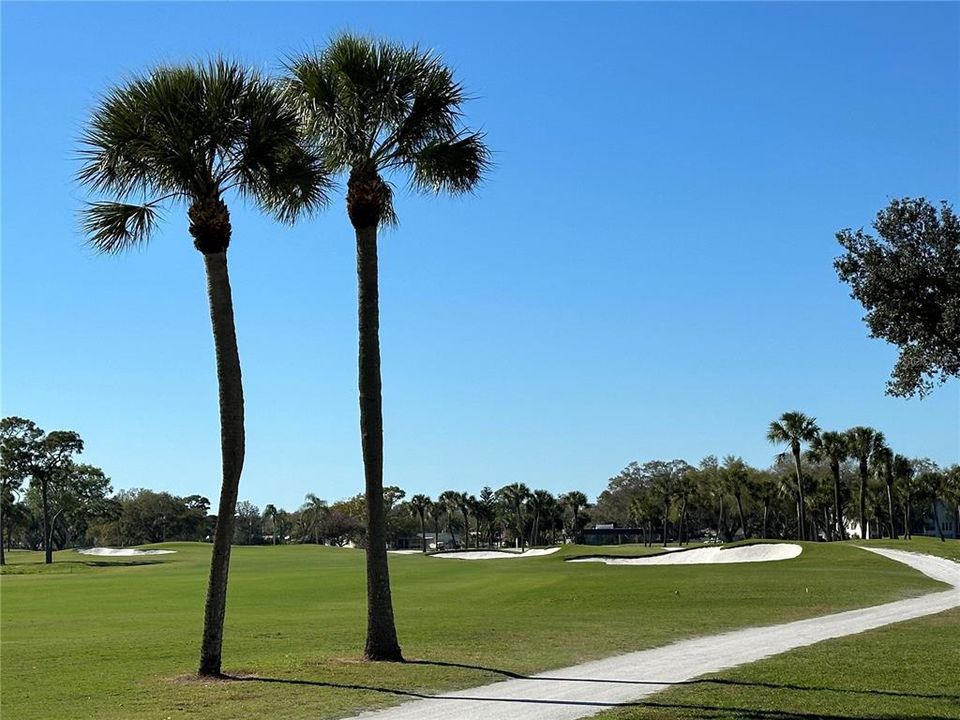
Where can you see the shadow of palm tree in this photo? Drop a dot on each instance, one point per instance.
(703, 710)
(699, 681)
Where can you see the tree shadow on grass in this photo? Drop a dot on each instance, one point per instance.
(699, 681)
(703, 710)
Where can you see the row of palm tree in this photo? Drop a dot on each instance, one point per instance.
(194, 134)
(526, 514)
(865, 445)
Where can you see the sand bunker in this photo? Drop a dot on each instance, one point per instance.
(495, 554)
(711, 555)
(122, 552)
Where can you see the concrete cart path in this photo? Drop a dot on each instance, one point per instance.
(586, 689)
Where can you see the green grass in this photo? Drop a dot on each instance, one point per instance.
(906, 671)
(103, 638)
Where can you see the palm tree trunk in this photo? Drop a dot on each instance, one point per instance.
(863, 498)
(743, 526)
(766, 512)
(893, 529)
(423, 533)
(381, 631)
(466, 531)
(906, 518)
(801, 508)
(936, 520)
(720, 532)
(835, 468)
(231, 450)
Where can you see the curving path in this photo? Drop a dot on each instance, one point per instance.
(585, 689)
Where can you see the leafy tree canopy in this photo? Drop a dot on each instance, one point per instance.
(908, 281)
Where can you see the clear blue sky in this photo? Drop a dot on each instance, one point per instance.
(646, 274)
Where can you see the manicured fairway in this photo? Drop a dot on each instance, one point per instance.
(101, 638)
(908, 671)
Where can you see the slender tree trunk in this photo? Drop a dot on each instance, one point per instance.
(743, 526)
(683, 514)
(801, 507)
(666, 510)
(423, 533)
(3, 557)
(766, 512)
(466, 531)
(520, 529)
(893, 529)
(720, 533)
(936, 520)
(47, 532)
(381, 631)
(906, 518)
(835, 468)
(231, 449)
(863, 498)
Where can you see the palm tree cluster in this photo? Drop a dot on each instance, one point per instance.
(887, 484)
(193, 135)
(513, 514)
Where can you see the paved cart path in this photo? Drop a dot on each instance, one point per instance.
(586, 689)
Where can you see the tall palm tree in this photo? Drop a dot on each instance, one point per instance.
(795, 429)
(541, 502)
(861, 441)
(463, 505)
(883, 463)
(514, 496)
(833, 447)
(907, 483)
(421, 504)
(375, 108)
(576, 501)
(735, 476)
(189, 134)
(271, 513)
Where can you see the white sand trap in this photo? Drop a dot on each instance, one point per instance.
(495, 554)
(767, 552)
(405, 552)
(122, 552)
(583, 690)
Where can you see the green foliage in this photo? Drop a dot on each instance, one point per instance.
(191, 133)
(908, 281)
(377, 106)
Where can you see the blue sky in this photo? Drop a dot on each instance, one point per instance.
(647, 272)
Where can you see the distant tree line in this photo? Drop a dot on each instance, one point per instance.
(827, 485)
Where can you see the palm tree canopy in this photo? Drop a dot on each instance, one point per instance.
(190, 133)
(376, 106)
(862, 440)
(830, 445)
(793, 428)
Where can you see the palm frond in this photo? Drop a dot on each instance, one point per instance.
(364, 101)
(453, 166)
(290, 186)
(113, 227)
